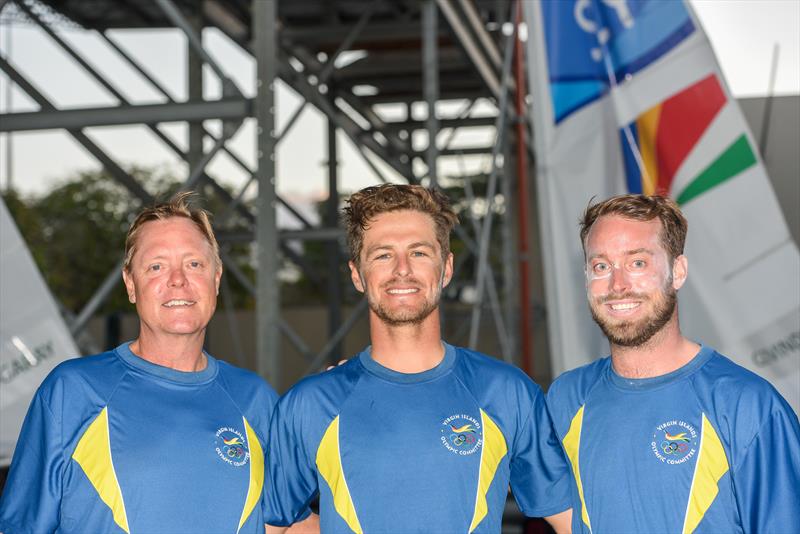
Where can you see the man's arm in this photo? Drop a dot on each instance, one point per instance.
(309, 525)
(32, 496)
(540, 476)
(767, 478)
(561, 522)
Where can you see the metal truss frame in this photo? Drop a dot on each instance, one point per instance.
(284, 53)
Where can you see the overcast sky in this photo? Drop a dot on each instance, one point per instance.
(742, 32)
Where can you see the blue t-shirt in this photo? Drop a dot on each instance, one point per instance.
(710, 447)
(424, 452)
(113, 443)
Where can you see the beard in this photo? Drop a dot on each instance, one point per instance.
(638, 332)
(404, 315)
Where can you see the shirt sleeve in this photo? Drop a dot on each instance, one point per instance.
(32, 495)
(291, 477)
(539, 473)
(767, 479)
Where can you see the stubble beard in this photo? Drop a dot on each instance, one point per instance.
(636, 333)
(404, 316)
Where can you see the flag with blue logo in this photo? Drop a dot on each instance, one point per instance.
(628, 97)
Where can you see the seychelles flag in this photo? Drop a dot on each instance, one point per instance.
(628, 97)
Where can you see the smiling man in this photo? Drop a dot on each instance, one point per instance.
(666, 435)
(412, 434)
(156, 435)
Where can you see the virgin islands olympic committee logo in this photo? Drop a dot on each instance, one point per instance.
(231, 446)
(461, 434)
(674, 442)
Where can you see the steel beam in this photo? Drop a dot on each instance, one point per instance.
(473, 51)
(430, 81)
(484, 271)
(268, 303)
(109, 164)
(229, 109)
(466, 122)
(194, 40)
(194, 86)
(332, 247)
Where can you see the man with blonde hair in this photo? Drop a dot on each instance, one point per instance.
(412, 434)
(666, 435)
(155, 435)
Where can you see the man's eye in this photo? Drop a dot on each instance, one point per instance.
(155, 267)
(600, 267)
(639, 264)
(194, 264)
(418, 253)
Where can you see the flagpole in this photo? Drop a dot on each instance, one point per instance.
(526, 328)
(612, 81)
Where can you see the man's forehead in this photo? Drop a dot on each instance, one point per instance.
(620, 233)
(175, 233)
(400, 222)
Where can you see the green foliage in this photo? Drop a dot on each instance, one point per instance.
(76, 234)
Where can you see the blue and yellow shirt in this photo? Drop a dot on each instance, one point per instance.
(710, 447)
(113, 443)
(425, 452)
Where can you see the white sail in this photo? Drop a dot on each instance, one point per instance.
(628, 97)
(33, 336)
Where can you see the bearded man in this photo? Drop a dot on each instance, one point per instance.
(666, 435)
(412, 434)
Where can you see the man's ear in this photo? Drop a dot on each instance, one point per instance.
(680, 270)
(355, 276)
(218, 277)
(130, 286)
(447, 275)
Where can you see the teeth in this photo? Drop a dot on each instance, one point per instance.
(176, 302)
(402, 291)
(627, 306)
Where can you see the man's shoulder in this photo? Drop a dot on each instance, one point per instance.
(490, 367)
(332, 383)
(579, 380)
(87, 380)
(240, 379)
(98, 367)
(726, 381)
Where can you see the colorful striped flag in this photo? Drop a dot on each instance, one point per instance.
(628, 97)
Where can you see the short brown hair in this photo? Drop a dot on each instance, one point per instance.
(177, 206)
(363, 206)
(642, 208)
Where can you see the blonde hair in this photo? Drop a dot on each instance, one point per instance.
(177, 206)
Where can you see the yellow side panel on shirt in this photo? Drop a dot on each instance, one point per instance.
(93, 454)
(256, 473)
(494, 449)
(711, 465)
(572, 444)
(329, 464)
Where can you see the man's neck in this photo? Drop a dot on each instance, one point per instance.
(182, 353)
(407, 348)
(665, 352)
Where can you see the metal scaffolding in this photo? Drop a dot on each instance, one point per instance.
(429, 55)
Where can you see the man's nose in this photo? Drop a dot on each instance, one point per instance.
(402, 266)
(620, 280)
(177, 278)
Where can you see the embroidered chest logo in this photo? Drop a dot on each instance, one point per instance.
(231, 446)
(461, 434)
(674, 442)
